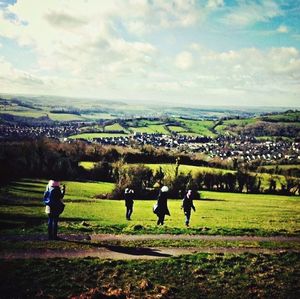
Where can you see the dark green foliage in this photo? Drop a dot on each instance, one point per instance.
(139, 178)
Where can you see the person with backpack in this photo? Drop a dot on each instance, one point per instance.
(54, 206)
(161, 208)
(187, 205)
(128, 196)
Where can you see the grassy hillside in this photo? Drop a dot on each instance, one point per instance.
(273, 125)
(289, 116)
(96, 135)
(231, 126)
(218, 213)
(193, 276)
(114, 127)
(169, 170)
(150, 129)
(200, 127)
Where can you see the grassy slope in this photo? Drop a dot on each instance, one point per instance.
(114, 127)
(284, 117)
(169, 170)
(201, 127)
(177, 129)
(150, 129)
(222, 213)
(283, 167)
(97, 135)
(194, 276)
(224, 128)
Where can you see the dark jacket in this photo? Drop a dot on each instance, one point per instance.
(162, 207)
(128, 196)
(187, 203)
(53, 198)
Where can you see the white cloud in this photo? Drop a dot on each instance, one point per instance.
(184, 60)
(214, 3)
(251, 12)
(146, 16)
(101, 49)
(282, 29)
(82, 40)
(10, 78)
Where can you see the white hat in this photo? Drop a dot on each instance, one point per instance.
(164, 189)
(53, 183)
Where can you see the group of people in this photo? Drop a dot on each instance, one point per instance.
(53, 199)
(161, 207)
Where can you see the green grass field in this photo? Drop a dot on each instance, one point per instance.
(95, 116)
(284, 117)
(200, 127)
(27, 113)
(177, 129)
(283, 167)
(187, 277)
(169, 170)
(150, 129)
(225, 127)
(222, 275)
(65, 117)
(88, 136)
(114, 127)
(87, 164)
(216, 213)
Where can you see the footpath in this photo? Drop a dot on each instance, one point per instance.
(101, 248)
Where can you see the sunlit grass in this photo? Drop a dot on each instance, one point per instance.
(96, 135)
(216, 212)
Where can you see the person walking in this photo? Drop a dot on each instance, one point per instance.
(54, 206)
(162, 206)
(187, 205)
(128, 196)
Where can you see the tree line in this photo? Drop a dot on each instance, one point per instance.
(47, 158)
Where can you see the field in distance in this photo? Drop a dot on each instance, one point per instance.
(169, 170)
(123, 118)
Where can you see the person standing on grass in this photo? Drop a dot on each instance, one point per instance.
(187, 205)
(128, 196)
(162, 206)
(54, 206)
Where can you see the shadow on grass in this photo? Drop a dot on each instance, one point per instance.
(33, 182)
(28, 185)
(211, 199)
(136, 251)
(23, 203)
(21, 220)
(21, 188)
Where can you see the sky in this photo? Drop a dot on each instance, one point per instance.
(189, 52)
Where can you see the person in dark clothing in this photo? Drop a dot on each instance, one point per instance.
(187, 205)
(128, 196)
(54, 206)
(162, 206)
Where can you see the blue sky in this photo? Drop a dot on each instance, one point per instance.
(214, 52)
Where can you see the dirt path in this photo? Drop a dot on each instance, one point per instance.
(111, 237)
(126, 253)
(123, 237)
